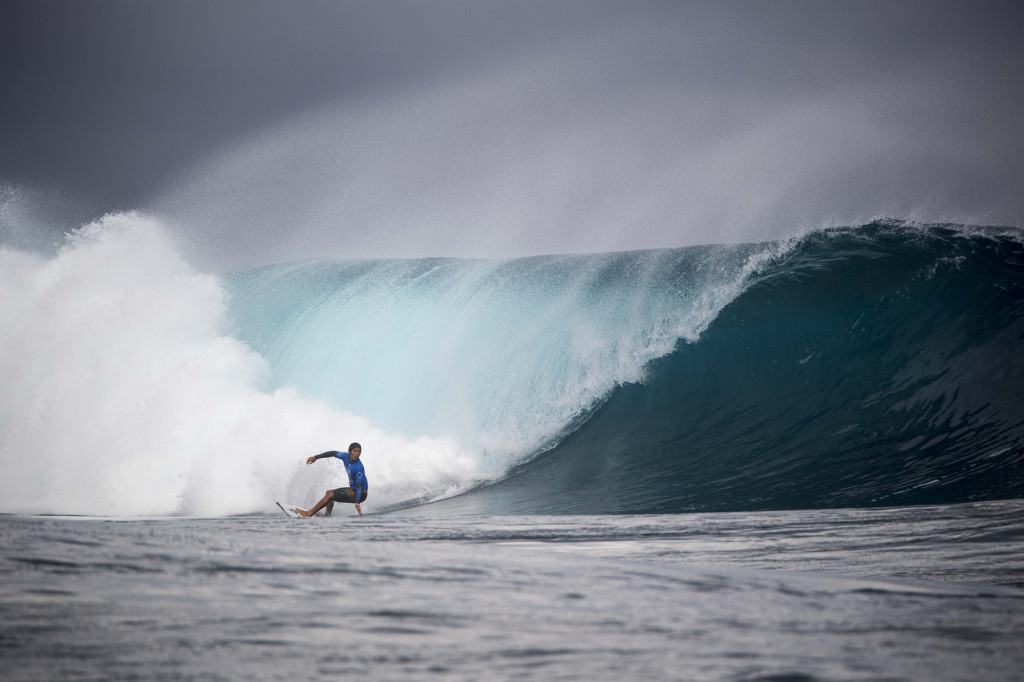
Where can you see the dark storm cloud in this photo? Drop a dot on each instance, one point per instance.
(108, 96)
(506, 128)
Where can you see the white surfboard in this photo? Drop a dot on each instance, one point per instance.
(290, 513)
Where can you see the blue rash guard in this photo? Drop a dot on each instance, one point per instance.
(356, 474)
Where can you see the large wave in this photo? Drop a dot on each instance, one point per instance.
(878, 365)
(870, 365)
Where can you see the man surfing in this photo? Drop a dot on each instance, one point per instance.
(357, 486)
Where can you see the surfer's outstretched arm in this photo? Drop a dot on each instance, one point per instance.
(322, 455)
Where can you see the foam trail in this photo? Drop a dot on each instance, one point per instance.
(124, 395)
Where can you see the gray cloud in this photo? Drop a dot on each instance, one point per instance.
(266, 132)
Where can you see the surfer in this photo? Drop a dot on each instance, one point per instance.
(354, 494)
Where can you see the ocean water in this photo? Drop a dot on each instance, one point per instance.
(906, 593)
(796, 460)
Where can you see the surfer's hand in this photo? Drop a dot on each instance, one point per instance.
(310, 460)
(359, 509)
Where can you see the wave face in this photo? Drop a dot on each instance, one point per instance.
(502, 357)
(881, 365)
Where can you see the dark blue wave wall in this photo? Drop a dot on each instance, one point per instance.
(879, 365)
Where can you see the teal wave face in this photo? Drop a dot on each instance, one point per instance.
(502, 357)
(880, 365)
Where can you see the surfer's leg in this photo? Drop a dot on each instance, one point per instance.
(324, 501)
(329, 508)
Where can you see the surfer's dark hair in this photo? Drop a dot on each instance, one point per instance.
(355, 445)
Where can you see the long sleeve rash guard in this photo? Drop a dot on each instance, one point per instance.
(356, 474)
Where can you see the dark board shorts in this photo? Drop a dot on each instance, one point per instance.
(347, 495)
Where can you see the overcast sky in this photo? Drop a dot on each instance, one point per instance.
(268, 131)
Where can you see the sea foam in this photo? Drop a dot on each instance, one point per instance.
(125, 395)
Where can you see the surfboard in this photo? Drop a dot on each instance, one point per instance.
(289, 514)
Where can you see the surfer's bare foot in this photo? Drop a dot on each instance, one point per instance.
(301, 512)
